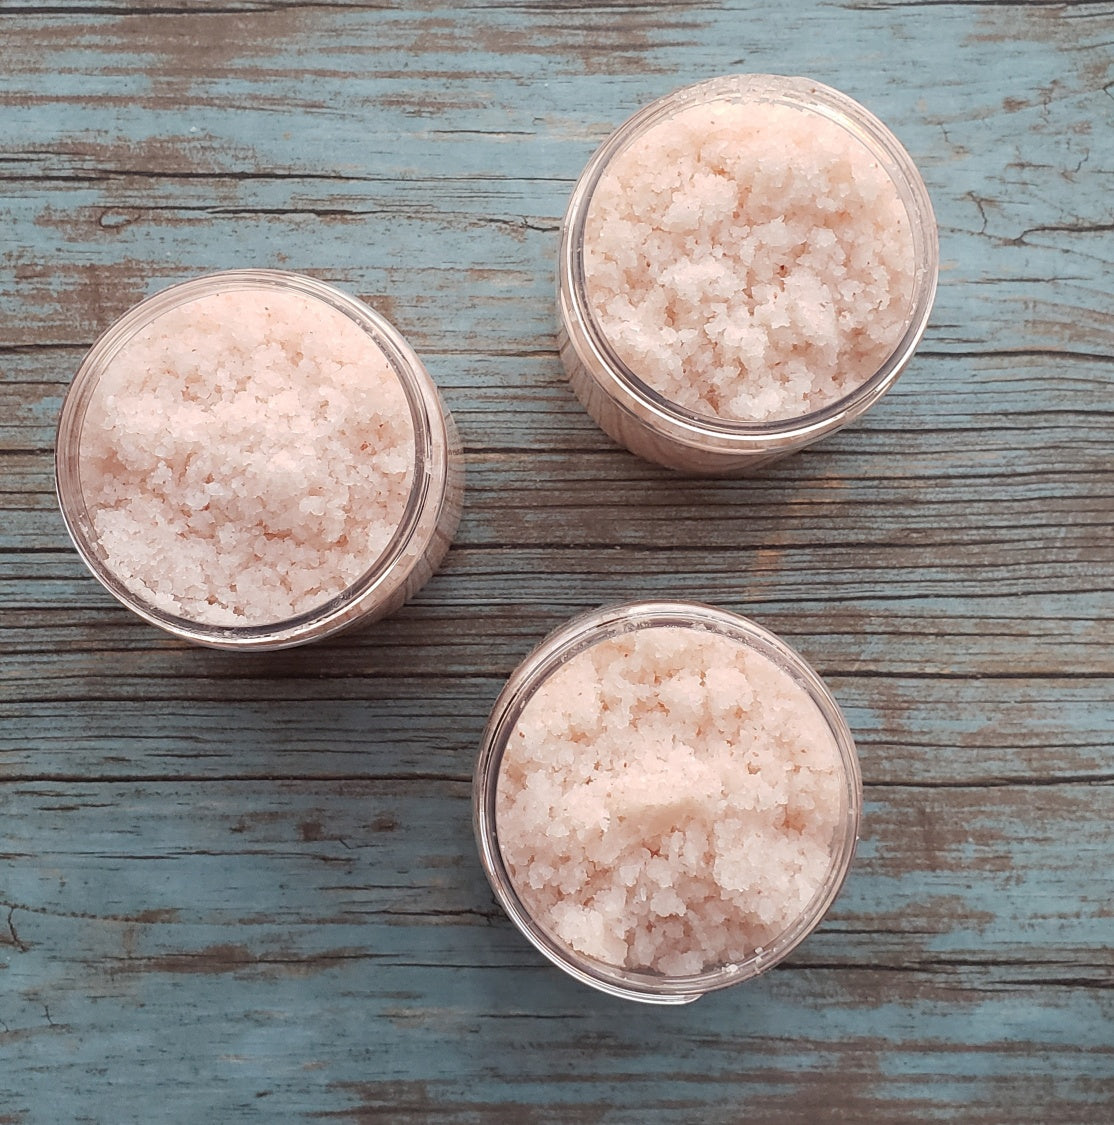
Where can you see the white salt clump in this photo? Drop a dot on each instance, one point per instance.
(749, 261)
(668, 801)
(246, 457)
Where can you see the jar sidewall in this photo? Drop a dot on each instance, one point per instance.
(428, 516)
(563, 644)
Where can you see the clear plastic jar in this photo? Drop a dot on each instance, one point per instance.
(641, 418)
(779, 668)
(428, 496)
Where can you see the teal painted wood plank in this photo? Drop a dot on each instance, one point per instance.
(908, 730)
(883, 660)
(405, 1056)
(506, 404)
(350, 926)
(918, 638)
(943, 872)
(449, 196)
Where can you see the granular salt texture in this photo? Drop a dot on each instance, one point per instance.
(749, 261)
(668, 801)
(246, 457)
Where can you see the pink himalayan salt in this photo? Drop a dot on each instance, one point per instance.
(749, 261)
(668, 801)
(246, 457)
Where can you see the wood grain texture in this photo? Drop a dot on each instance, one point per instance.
(243, 887)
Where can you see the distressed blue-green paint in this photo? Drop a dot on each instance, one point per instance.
(245, 888)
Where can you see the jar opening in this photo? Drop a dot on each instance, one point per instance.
(425, 441)
(618, 379)
(556, 656)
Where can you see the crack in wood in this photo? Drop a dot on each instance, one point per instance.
(23, 947)
(1064, 228)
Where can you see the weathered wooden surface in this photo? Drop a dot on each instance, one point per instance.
(240, 888)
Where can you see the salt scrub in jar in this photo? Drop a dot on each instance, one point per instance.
(745, 266)
(667, 800)
(254, 459)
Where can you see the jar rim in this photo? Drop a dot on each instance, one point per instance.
(429, 468)
(577, 635)
(732, 435)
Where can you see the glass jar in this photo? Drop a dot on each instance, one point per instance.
(643, 419)
(777, 665)
(428, 495)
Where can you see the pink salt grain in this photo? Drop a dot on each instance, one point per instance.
(246, 457)
(669, 801)
(749, 261)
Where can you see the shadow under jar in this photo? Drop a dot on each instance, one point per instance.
(254, 459)
(745, 266)
(666, 800)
